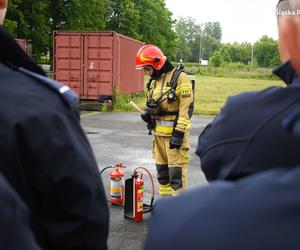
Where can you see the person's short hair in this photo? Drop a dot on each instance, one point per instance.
(294, 4)
(285, 5)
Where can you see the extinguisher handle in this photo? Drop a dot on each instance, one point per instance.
(120, 165)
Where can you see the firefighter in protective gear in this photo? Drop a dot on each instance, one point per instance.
(167, 114)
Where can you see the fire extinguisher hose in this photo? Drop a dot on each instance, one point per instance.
(148, 208)
(101, 172)
(105, 169)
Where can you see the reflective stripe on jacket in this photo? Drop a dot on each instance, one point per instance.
(181, 104)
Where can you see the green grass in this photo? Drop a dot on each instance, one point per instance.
(210, 93)
(121, 102)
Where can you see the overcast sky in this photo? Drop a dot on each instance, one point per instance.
(241, 20)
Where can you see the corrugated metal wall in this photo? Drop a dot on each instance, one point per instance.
(95, 63)
(129, 83)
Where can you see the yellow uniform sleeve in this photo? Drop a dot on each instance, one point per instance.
(184, 94)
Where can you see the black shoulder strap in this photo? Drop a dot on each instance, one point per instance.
(149, 83)
(69, 97)
(178, 70)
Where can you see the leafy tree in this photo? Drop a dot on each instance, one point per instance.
(238, 52)
(77, 14)
(193, 36)
(156, 25)
(216, 59)
(195, 41)
(11, 27)
(26, 19)
(211, 38)
(226, 55)
(36, 19)
(10, 24)
(195, 46)
(123, 17)
(266, 52)
(146, 20)
(245, 52)
(213, 29)
(185, 28)
(275, 61)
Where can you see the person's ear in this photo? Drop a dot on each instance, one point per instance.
(294, 40)
(283, 38)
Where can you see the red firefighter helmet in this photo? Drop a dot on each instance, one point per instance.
(150, 55)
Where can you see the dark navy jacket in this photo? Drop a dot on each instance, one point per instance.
(46, 157)
(259, 212)
(247, 135)
(15, 232)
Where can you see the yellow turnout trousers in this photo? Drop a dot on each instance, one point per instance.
(171, 164)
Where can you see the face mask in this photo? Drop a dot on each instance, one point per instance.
(165, 69)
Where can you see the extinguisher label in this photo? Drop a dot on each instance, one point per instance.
(116, 188)
(140, 196)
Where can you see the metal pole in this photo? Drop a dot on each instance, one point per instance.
(251, 57)
(200, 51)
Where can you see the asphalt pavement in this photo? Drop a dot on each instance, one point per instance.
(123, 138)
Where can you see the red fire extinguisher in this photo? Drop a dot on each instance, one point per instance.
(139, 196)
(116, 190)
(117, 185)
(134, 206)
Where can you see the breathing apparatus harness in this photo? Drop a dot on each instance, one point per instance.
(153, 106)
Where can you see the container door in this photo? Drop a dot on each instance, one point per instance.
(130, 79)
(68, 60)
(98, 65)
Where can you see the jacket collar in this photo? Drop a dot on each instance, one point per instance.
(14, 56)
(286, 73)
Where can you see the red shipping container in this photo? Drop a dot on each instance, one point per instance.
(23, 44)
(95, 64)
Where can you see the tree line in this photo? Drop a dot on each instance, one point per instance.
(146, 20)
(263, 53)
(203, 42)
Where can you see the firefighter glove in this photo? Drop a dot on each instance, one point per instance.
(146, 117)
(176, 139)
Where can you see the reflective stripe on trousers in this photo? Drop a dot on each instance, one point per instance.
(165, 190)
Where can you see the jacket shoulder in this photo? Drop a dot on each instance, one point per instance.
(27, 95)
